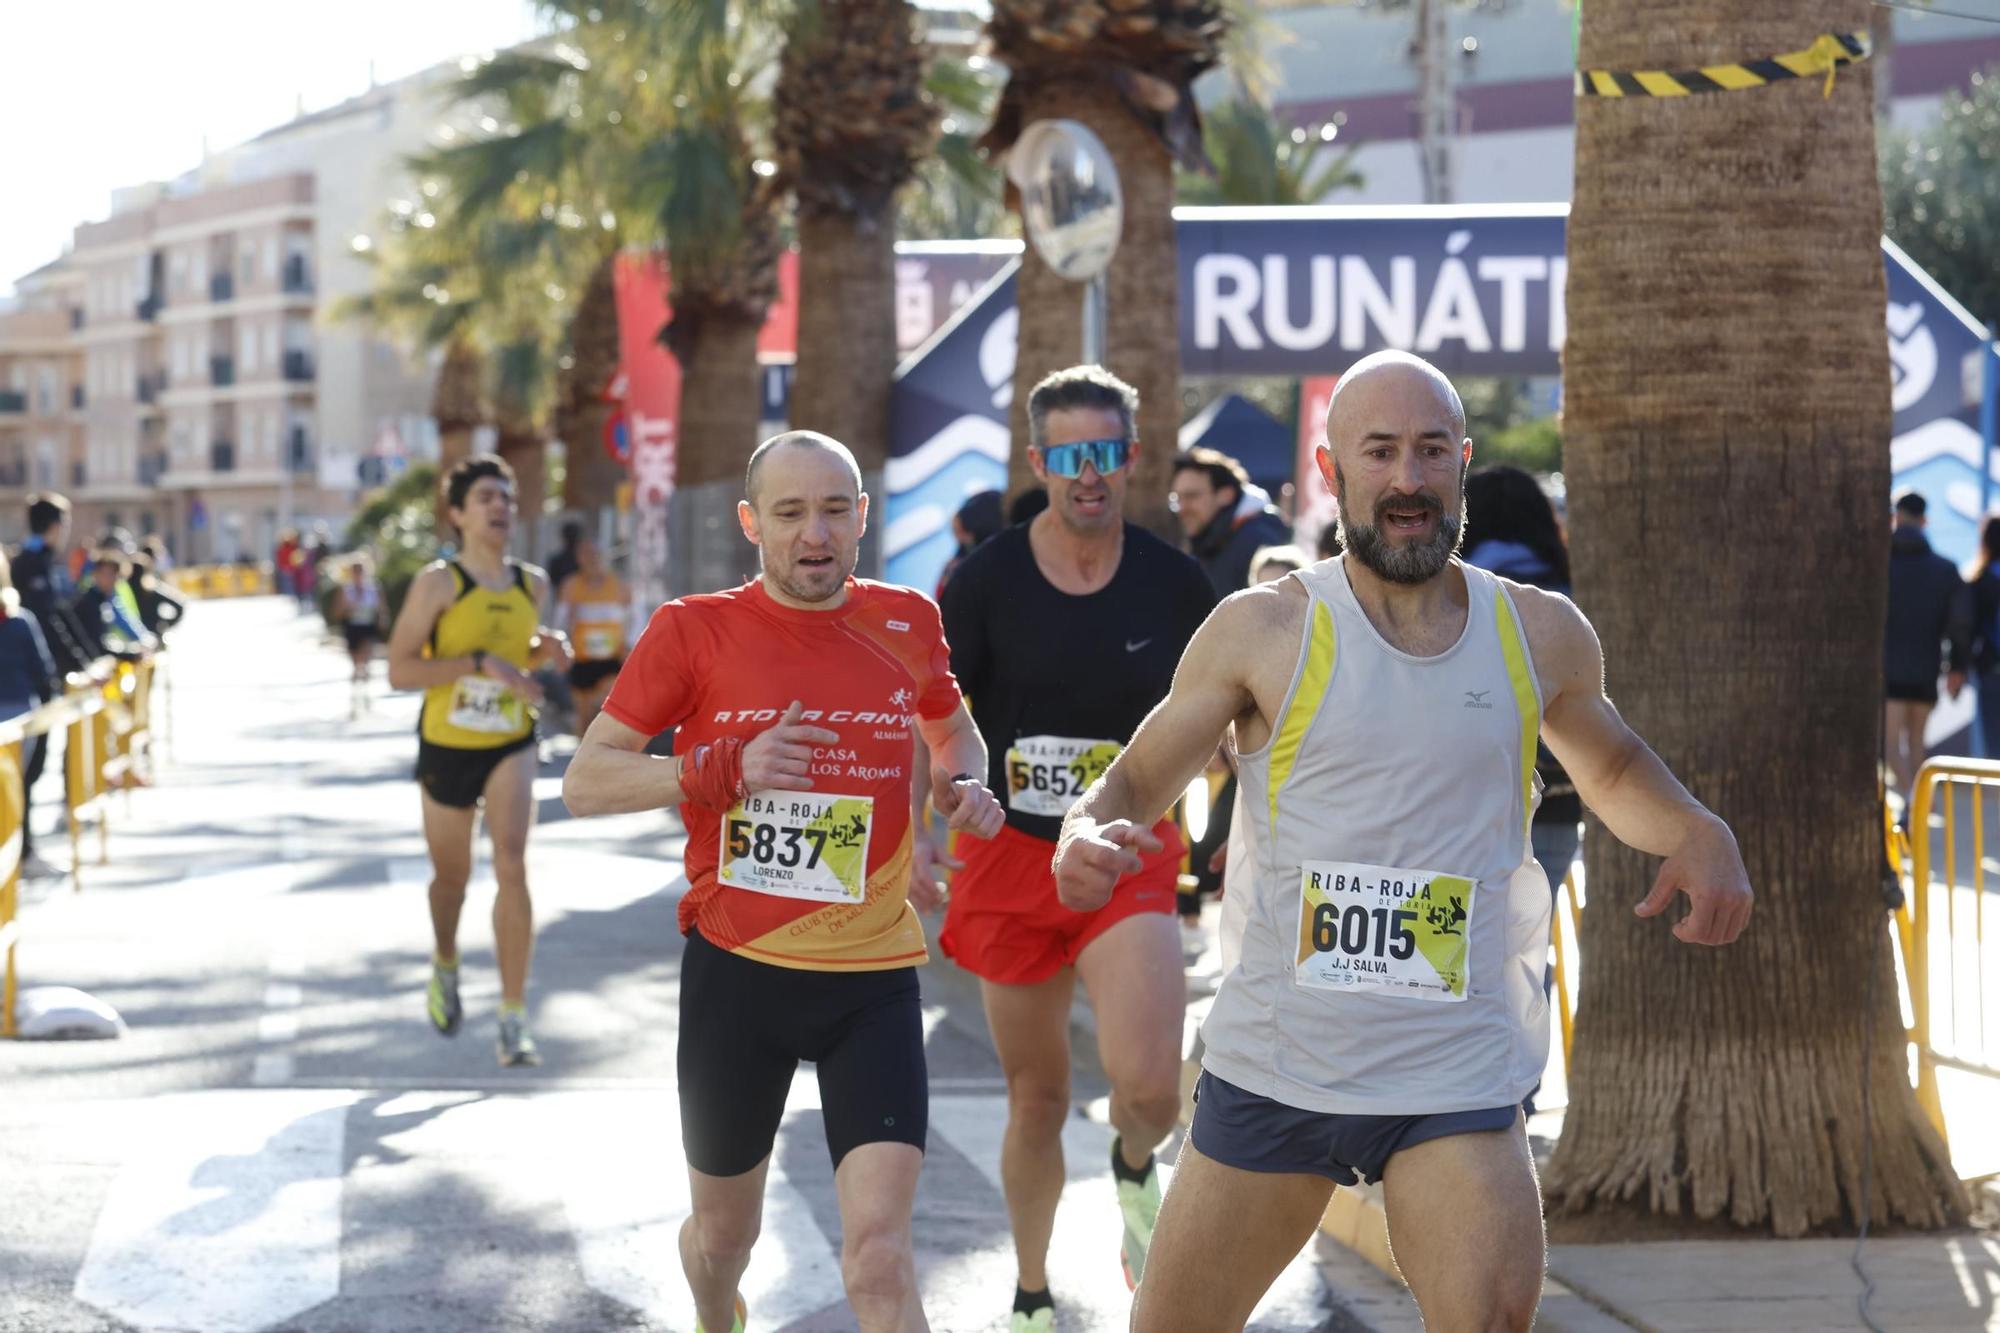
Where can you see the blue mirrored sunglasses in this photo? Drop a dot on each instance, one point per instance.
(1067, 460)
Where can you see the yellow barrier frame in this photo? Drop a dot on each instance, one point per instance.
(1916, 937)
(84, 708)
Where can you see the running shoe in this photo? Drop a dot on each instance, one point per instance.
(516, 1046)
(741, 1314)
(1041, 1321)
(446, 1013)
(1139, 1202)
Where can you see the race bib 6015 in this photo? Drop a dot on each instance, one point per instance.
(1377, 928)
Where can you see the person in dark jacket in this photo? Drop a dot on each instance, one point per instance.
(109, 630)
(1985, 657)
(159, 608)
(1225, 518)
(27, 678)
(41, 574)
(976, 520)
(1929, 629)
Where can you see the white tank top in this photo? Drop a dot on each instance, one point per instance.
(1390, 922)
(364, 602)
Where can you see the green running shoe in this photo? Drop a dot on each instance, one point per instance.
(446, 1013)
(1139, 1202)
(1041, 1321)
(516, 1046)
(741, 1315)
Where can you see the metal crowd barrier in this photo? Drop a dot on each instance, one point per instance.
(105, 715)
(1942, 928)
(221, 580)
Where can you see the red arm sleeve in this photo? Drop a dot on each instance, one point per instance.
(656, 689)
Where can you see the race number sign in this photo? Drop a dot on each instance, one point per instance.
(797, 844)
(1376, 928)
(482, 704)
(1046, 774)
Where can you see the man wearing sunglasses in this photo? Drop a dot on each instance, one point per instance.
(1065, 631)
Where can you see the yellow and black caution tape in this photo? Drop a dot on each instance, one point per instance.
(1828, 53)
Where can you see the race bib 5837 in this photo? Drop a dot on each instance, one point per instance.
(1377, 928)
(797, 844)
(1047, 774)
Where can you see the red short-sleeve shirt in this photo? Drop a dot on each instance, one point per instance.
(729, 664)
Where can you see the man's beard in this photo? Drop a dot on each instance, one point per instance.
(1406, 564)
(792, 582)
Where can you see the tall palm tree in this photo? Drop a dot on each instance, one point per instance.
(1727, 422)
(1125, 68)
(853, 119)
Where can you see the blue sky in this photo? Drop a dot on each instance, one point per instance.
(118, 92)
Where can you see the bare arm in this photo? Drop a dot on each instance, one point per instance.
(1626, 784)
(549, 645)
(430, 593)
(1106, 831)
(610, 773)
(946, 747)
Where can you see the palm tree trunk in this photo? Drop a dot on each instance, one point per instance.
(1142, 341)
(847, 331)
(1726, 427)
(457, 408)
(719, 400)
(592, 475)
(525, 450)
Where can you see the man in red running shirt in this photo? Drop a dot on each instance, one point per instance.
(807, 704)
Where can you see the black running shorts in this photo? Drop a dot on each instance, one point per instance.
(589, 675)
(744, 1027)
(457, 778)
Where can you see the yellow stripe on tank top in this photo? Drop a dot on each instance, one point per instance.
(1513, 647)
(1321, 649)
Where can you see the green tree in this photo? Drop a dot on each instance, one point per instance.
(1941, 195)
(1258, 160)
(398, 525)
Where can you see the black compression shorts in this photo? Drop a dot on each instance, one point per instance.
(457, 778)
(744, 1027)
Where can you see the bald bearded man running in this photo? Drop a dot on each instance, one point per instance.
(1385, 1016)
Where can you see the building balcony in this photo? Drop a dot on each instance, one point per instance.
(221, 286)
(221, 371)
(14, 473)
(152, 467)
(79, 475)
(76, 397)
(299, 452)
(222, 456)
(297, 276)
(299, 366)
(147, 310)
(75, 318)
(13, 402)
(146, 391)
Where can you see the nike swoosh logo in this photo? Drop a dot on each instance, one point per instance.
(1135, 647)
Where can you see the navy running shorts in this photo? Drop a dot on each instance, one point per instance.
(1253, 1133)
(744, 1027)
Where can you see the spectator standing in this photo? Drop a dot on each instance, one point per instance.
(27, 677)
(1985, 592)
(108, 628)
(1511, 530)
(282, 561)
(976, 520)
(1929, 628)
(1225, 518)
(160, 609)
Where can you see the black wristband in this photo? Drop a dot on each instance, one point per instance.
(963, 777)
(478, 661)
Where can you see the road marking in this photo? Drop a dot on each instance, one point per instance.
(278, 1027)
(226, 1217)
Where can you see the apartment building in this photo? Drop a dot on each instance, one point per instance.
(42, 392)
(199, 382)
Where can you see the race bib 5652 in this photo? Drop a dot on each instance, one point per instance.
(1047, 774)
(797, 844)
(1377, 928)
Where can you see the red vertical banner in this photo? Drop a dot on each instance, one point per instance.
(651, 376)
(1315, 505)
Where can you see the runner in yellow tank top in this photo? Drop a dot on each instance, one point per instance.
(592, 606)
(467, 637)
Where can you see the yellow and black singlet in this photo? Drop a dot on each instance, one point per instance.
(477, 712)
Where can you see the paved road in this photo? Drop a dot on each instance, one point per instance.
(280, 1142)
